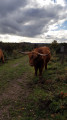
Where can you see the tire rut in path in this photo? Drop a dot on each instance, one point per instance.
(18, 89)
(15, 88)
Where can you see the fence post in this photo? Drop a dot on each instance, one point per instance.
(62, 54)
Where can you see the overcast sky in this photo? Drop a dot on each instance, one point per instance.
(33, 20)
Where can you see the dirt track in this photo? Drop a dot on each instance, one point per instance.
(17, 89)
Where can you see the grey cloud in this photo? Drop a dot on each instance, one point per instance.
(28, 22)
(8, 6)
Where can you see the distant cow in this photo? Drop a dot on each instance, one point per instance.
(39, 57)
(1, 56)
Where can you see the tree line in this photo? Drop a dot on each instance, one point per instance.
(11, 49)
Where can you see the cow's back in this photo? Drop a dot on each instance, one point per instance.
(45, 51)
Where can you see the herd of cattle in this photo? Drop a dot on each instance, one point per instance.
(38, 58)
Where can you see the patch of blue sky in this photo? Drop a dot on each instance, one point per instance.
(62, 26)
(54, 1)
(66, 1)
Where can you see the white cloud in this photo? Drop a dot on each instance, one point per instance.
(60, 2)
(60, 36)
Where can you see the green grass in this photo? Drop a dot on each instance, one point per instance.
(13, 69)
(42, 99)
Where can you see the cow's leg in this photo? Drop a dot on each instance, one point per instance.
(40, 71)
(36, 69)
(46, 66)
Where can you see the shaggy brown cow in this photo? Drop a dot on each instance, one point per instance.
(1, 56)
(39, 58)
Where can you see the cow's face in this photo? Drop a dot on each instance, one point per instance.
(32, 57)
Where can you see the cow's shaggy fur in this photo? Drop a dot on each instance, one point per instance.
(39, 58)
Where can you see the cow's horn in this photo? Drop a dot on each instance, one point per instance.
(42, 54)
(24, 52)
